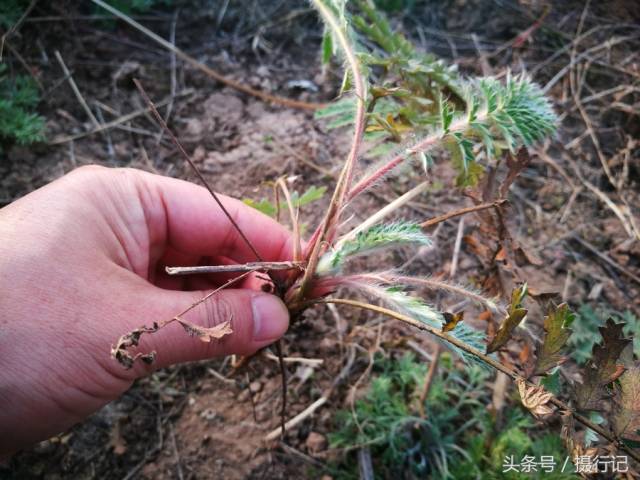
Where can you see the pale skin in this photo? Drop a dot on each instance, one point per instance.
(82, 262)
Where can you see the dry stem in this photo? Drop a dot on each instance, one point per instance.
(245, 267)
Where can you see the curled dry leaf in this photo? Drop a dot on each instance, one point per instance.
(535, 398)
(207, 334)
(451, 320)
(515, 315)
(120, 352)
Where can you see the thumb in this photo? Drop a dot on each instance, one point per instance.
(257, 319)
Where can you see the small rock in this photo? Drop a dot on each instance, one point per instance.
(255, 387)
(208, 414)
(198, 154)
(316, 442)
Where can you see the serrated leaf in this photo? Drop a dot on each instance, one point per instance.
(267, 207)
(515, 315)
(312, 194)
(372, 239)
(556, 325)
(264, 206)
(603, 368)
(625, 419)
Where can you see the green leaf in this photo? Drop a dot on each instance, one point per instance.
(603, 368)
(515, 315)
(446, 114)
(556, 325)
(375, 238)
(327, 47)
(312, 194)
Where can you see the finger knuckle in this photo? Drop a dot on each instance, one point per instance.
(218, 310)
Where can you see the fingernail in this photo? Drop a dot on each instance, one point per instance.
(270, 317)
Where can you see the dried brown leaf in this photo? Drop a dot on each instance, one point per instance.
(535, 399)
(625, 419)
(451, 320)
(603, 368)
(516, 166)
(556, 325)
(515, 315)
(207, 334)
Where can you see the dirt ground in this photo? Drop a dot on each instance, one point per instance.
(195, 422)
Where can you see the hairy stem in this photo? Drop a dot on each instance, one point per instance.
(427, 143)
(343, 184)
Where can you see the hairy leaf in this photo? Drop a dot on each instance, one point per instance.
(556, 325)
(375, 238)
(515, 315)
(603, 368)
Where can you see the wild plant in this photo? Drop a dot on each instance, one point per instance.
(455, 438)
(408, 109)
(19, 123)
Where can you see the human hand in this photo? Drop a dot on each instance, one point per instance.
(82, 262)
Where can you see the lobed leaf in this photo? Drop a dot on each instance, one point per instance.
(625, 419)
(603, 368)
(556, 325)
(375, 238)
(515, 315)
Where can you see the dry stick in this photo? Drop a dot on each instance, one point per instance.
(293, 214)
(207, 70)
(113, 123)
(307, 412)
(16, 25)
(76, 90)
(428, 380)
(484, 358)
(283, 374)
(186, 156)
(312, 362)
(245, 267)
(456, 213)
(606, 258)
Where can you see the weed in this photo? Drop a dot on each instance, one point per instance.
(19, 97)
(457, 439)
